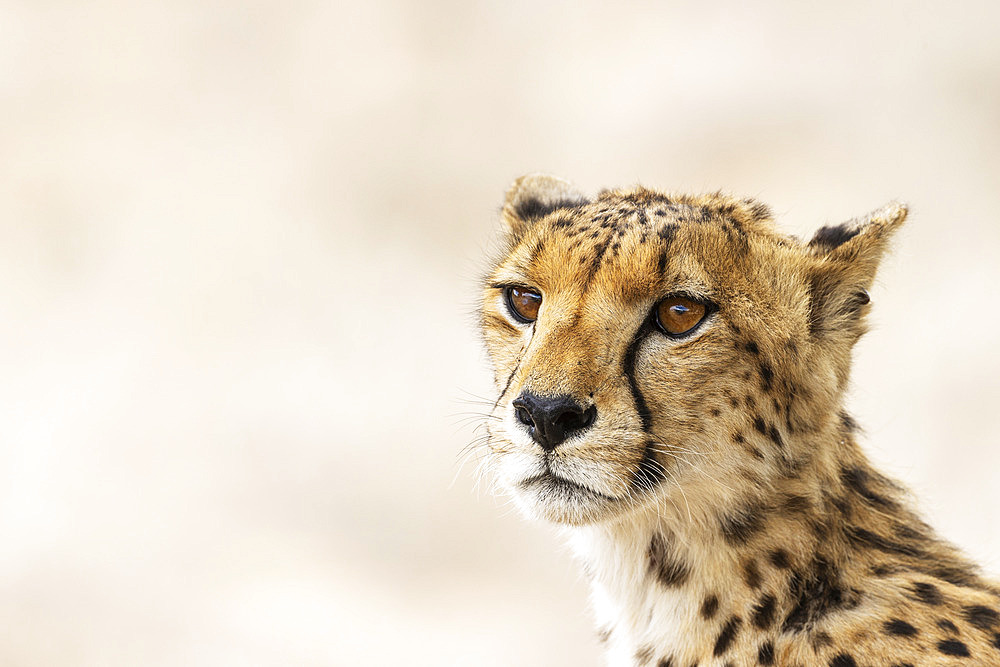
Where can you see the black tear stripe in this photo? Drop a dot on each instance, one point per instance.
(650, 471)
(629, 367)
(516, 367)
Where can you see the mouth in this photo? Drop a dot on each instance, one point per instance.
(551, 486)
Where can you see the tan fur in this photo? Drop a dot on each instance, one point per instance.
(741, 524)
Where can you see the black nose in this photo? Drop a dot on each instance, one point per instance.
(552, 419)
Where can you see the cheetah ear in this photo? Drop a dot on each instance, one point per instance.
(533, 197)
(849, 255)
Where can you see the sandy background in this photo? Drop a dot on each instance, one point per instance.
(239, 245)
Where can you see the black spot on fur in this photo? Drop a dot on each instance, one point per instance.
(789, 424)
(779, 558)
(832, 236)
(667, 233)
(752, 348)
(953, 647)
(794, 503)
(947, 626)
(927, 593)
(763, 612)
(595, 263)
(899, 627)
(996, 641)
(666, 662)
(820, 639)
(716, 412)
(668, 571)
(766, 376)
(751, 574)
(841, 504)
(759, 210)
(727, 635)
(954, 574)
(843, 660)
(775, 436)
(709, 606)
(981, 616)
(858, 479)
(907, 532)
(760, 425)
(865, 538)
(765, 654)
(817, 591)
(739, 526)
(738, 438)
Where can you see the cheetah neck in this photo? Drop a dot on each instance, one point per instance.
(685, 583)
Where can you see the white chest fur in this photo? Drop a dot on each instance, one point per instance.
(639, 618)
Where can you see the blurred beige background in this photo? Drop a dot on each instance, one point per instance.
(240, 244)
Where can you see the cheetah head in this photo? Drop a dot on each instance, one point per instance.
(651, 351)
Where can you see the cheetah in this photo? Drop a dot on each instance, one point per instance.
(670, 374)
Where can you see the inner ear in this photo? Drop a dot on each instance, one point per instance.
(535, 196)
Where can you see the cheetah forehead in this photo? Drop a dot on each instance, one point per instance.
(639, 242)
(644, 235)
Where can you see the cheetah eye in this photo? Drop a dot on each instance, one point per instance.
(678, 315)
(523, 303)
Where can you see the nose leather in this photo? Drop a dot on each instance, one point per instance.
(552, 419)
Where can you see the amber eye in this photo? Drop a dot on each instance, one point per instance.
(523, 303)
(677, 315)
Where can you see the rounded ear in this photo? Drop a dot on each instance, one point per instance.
(533, 197)
(849, 255)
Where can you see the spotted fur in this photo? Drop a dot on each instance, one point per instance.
(719, 501)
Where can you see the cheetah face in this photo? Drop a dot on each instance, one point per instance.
(644, 345)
